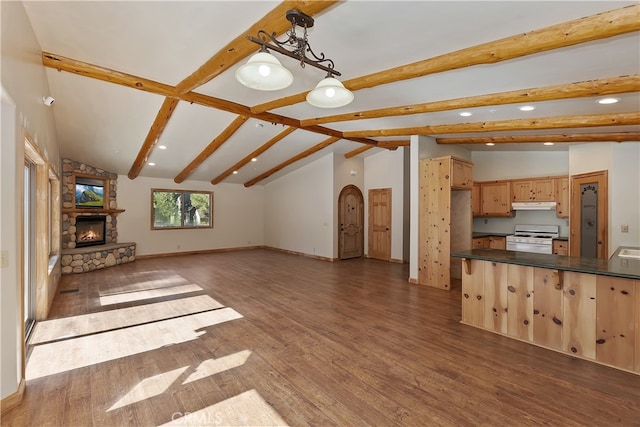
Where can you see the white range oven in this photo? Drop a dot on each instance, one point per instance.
(533, 238)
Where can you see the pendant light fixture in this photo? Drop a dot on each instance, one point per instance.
(263, 71)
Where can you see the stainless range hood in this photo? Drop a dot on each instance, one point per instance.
(533, 206)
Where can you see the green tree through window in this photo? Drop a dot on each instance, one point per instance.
(181, 209)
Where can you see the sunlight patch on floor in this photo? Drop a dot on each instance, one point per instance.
(215, 366)
(149, 387)
(131, 296)
(245, 409)
(55, 329)
(62, 356)
(143, 284)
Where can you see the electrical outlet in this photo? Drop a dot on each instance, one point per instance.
(4, 259)
(624, 228)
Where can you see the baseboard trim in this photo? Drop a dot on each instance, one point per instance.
(413, 281)
(204, 251)
(286, 251)
(14, 399)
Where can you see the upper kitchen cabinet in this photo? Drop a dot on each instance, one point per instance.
(496, 198)
(461, 174)
(529, 190)
(562, 197)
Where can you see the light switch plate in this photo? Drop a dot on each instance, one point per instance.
(624, 228)
(4, 259)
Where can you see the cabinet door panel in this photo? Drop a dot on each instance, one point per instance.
(521, 191)
(615, 338)
(472, 295)
(579, 314)
(562, 197)
(495, 297)
(547, 309)
(543, 190)
(496, 198)
(520, 302)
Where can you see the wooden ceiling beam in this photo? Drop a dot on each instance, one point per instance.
(74, 66)
(599, 87)
(394, 144)
(62, 63)
(211, 148)
(620, 119)
(166, 110)
(327, 142)
(238, 49)
(264, 147)
(357, 151)
(595, 27)
(572, 137)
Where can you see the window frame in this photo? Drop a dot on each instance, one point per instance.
(183, 214)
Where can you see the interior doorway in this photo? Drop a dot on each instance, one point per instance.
(380, 224)
(29, 246)
(351, 220)
(588, 217)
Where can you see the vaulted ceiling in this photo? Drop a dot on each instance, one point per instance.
(129, 77)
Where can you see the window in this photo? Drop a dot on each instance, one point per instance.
(172, 209)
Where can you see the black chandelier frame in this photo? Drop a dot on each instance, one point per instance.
(300, 45)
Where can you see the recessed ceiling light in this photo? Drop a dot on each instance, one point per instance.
(254, 160)
(235, 172)
(490, 144)
(151, 164)
(465, 114)
(527, 108)
(548, 143)
(608, 100)
(162, 147)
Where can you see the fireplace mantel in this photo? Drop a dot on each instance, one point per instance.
(93, 211)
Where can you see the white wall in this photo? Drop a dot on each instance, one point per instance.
(624, 191)
(24, 84)
(386, 170)
(299, 210)
(237, 217)
(495, 165)
(423, 147)
(345, 172)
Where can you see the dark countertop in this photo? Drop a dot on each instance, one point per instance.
(488, 234)
(615, 266)
(485, 234)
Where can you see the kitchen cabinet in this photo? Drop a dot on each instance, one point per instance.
(498, 242)
(489, 242)
(560, 247)
(461, 174)
(444, 220)
(496, 198)
(562, 197)
(529, 190)
(480, 243)
(476, 199)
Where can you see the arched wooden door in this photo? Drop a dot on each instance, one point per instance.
(351, 223)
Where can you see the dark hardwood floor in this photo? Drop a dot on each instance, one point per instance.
(259, 337)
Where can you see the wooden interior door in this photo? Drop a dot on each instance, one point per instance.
(588, 216)
(351, 220)
(380, 224)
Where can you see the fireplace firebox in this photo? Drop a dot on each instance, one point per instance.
(90, 230)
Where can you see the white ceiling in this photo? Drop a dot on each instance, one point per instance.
(105, 124)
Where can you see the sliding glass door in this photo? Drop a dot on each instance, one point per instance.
(29, 281)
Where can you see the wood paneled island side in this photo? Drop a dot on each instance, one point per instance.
(587, 308)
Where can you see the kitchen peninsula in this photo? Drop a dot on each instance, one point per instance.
(587, 308)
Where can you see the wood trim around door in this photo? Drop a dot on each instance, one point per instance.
(602, 179)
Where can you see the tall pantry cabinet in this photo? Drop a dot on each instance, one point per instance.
(445, 218)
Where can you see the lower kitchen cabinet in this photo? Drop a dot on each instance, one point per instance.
(560, 247)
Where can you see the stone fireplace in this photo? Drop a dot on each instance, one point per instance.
(90, 234)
